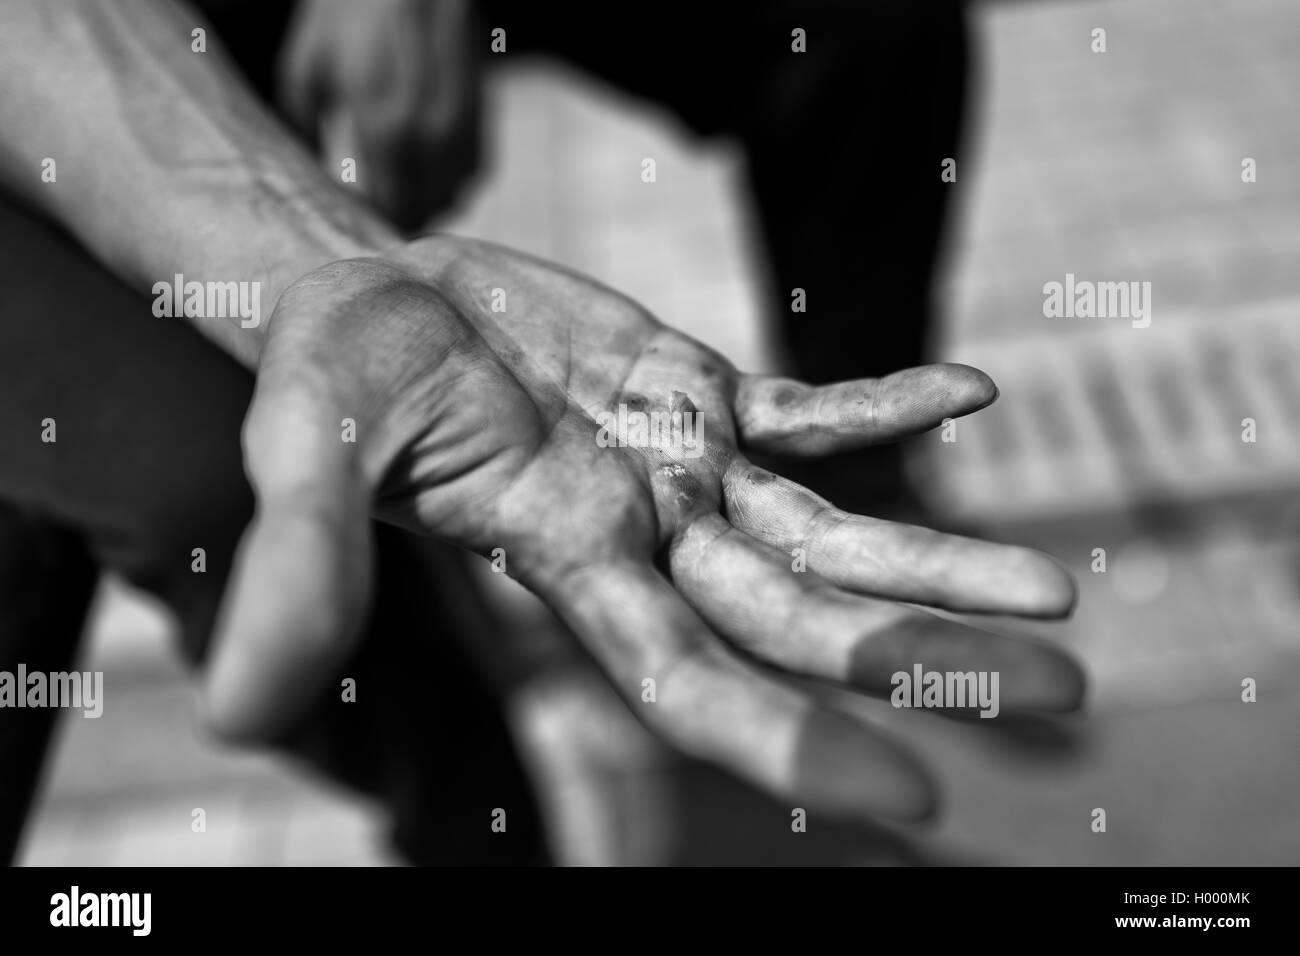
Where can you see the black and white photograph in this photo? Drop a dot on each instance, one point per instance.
(513, 433)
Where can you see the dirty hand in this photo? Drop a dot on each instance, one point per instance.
(527, 413)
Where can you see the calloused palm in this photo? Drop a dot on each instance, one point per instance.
(473, 375)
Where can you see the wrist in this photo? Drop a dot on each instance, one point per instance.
(190, 176)
(227, 276)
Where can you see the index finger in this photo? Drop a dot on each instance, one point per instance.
(786, 416)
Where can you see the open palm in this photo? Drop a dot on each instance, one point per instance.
(476, 380)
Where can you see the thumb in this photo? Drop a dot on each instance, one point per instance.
(297, 597)
(303, 79)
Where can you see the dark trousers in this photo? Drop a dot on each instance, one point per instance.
(844, 145)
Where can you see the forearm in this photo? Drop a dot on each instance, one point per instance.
(165, 162)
